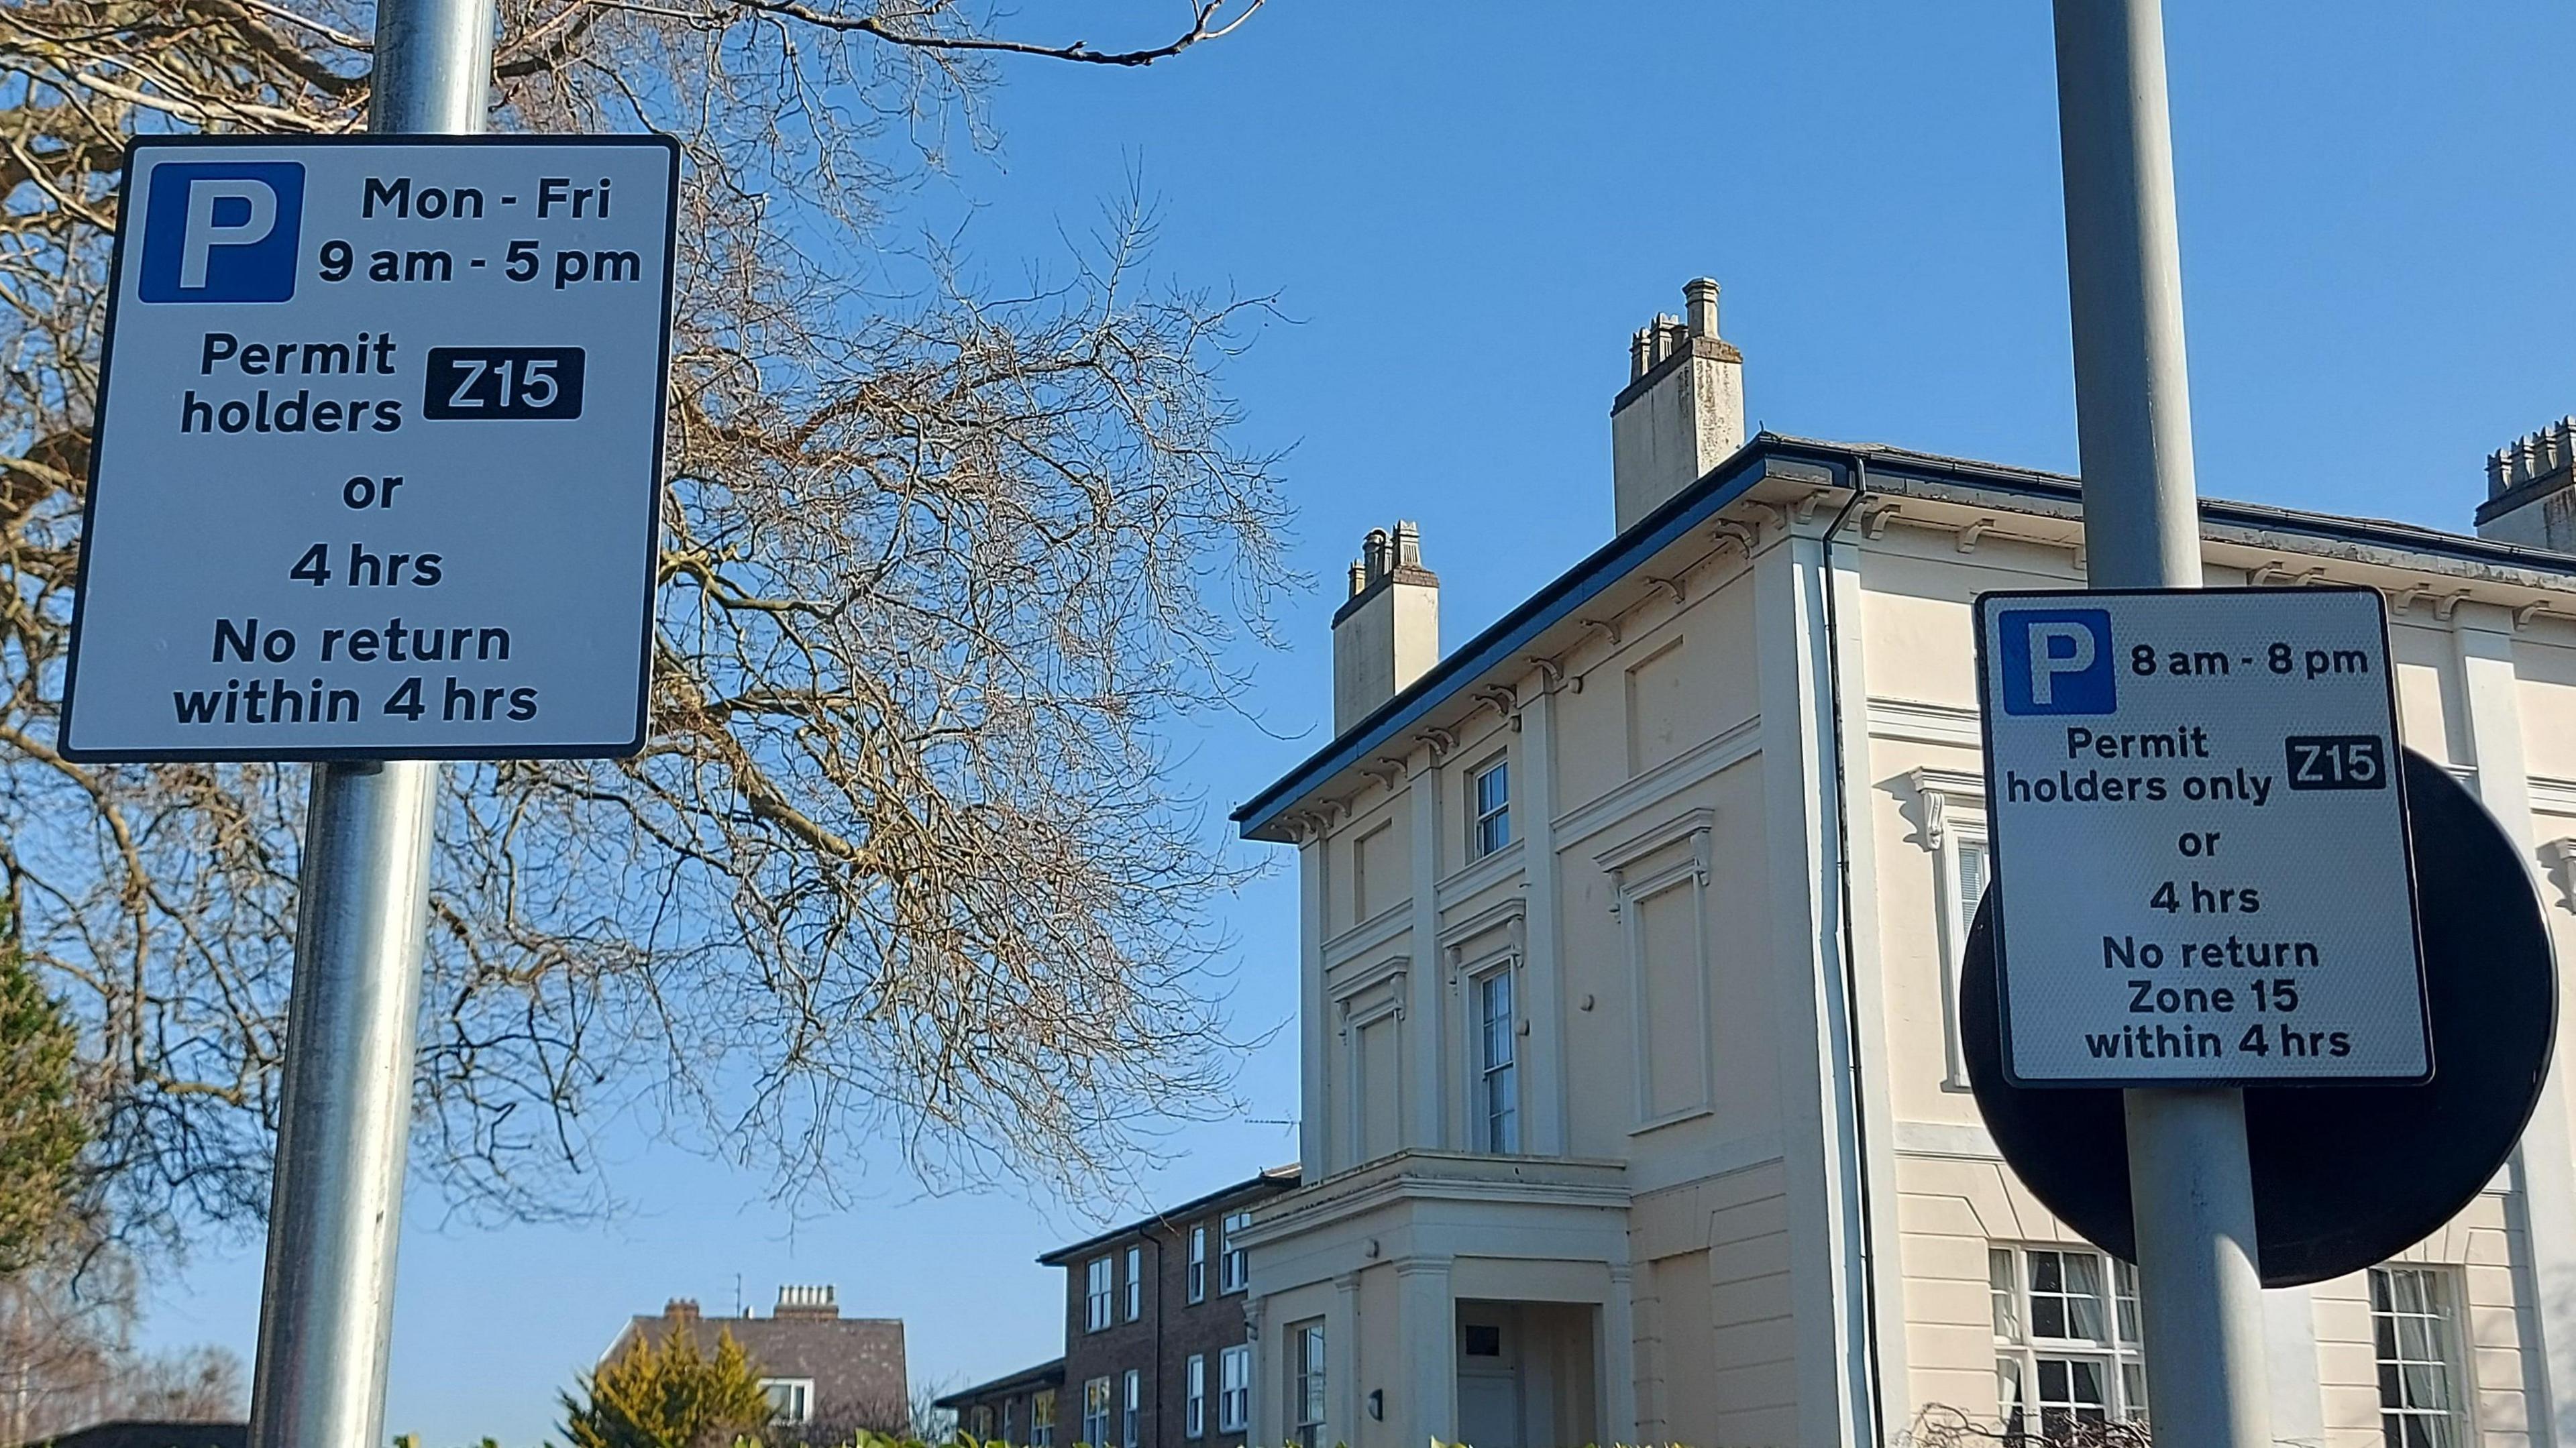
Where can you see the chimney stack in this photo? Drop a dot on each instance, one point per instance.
(807, 1302)
(2529, 501)
(1387, 633)
(1682, 411)
(681, 1309)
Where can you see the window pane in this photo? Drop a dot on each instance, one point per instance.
(2084, 1297)
(2090, 1388)
(2124, 1282)
(1999, 1288)
(2416, 1340)
(2047, 1314)
(1972, 880)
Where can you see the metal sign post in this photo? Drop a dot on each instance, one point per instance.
(2193, 1190)
(375, 481)
(335, 1214)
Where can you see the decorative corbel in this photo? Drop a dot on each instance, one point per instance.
(2523, 616)
(1439, 741)
(1505, 702)
(1936, 815)
(1805, 511)
(1703, 854)
(1969, 535)
(2443, 606)
(1874, 525)
(1672, 586)
(1608, 626)
(2310, 579)
(1551, 674)
(2559, 857)
(2272, 571)
(1727, 530)
(1387, 770)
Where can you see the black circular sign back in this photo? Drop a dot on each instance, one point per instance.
(2327, 1198)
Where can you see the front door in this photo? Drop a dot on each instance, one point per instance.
(1489, 1378)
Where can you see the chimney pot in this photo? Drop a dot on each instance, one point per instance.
(804, 1301)
(1700, 293)
(681, 1309)
(1668, 433)
(1387, 634)
(2536, 472)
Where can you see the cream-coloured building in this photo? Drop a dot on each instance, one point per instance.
(1633, 1103)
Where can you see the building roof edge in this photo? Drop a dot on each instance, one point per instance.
(1728, 482)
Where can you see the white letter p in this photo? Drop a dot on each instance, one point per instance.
(203, 235)
(2046, 663)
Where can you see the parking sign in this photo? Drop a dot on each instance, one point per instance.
(2198, 823)
(377, 469)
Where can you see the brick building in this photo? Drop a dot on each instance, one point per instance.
(1157, 1354)
(1018, 1408)
(824, 1372)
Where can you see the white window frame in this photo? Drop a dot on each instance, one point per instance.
(1042, 1424)
(2448, 1352)
(1630, 888)
(1482, 841)
(1234, 1389)
(1135, 1283)
(1309, 1389)
(2022, 1354)
(1095, 1412)
(1006, 1420)
(1099, 1293)
(1194, 1397)
(1197, 1285)
(1131, 1416)
(1481, 1066)
(798, 1406)
(1954, 823)
(1235, 1265)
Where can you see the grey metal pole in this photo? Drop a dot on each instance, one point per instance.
(335, 1212)
(2192, 1187)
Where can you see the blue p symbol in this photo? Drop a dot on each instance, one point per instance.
(2057, 661)
(221, 231)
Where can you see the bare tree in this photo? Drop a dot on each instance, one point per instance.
(1938, 1425)
(904, 861)
(67, 1358)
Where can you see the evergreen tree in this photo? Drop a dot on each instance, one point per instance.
(42, 1125)
(669, 1396)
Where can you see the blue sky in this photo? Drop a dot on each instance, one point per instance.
(1465, 209)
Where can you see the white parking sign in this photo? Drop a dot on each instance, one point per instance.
(377, 467)
(2202, 873)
